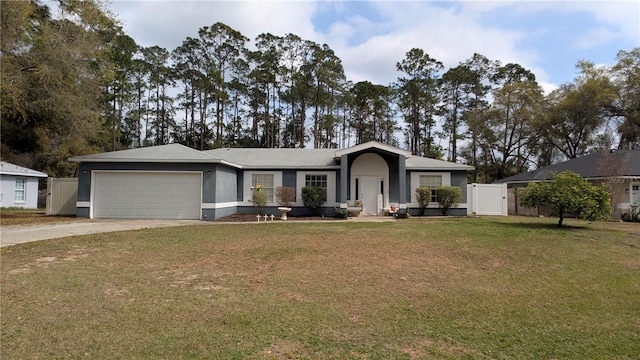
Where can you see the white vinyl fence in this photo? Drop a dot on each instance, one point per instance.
(487, 199)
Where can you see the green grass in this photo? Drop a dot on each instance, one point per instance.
(492, 288)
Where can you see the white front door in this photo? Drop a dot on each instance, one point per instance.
(369, 179)
(635, 193)
(369, 190)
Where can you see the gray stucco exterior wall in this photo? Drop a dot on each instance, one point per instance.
(226, 184)
(344, 179)
(459, 179)
(223, 195)
(289, 178)
(402, 180)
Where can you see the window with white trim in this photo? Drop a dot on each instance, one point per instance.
(20, 190)
(317, 180)
(265, 183)
(323, 179)
(433, 182)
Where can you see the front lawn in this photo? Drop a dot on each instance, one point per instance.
(488, 288)
(20, 216)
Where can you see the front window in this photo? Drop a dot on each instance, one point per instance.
(433, 182)
(316, 180)
(21, 186)
(264, 182)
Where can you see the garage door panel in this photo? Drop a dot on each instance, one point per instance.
(115, 213)
(150, 195)
(153, 213)
(157, 188)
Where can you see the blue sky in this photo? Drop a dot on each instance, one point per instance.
(546, 37)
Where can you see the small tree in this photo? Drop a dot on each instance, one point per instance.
(313, 197)
(423, 194)
(285, 195)
(568, 193)
(448, 197)
(259, 198)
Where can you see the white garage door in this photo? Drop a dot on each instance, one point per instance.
(147, 195)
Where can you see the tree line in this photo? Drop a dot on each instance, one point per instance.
(75, 83)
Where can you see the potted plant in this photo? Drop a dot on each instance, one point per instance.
(285, 196)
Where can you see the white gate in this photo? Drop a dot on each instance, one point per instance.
(487, 199)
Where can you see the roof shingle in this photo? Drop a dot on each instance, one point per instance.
(260, 158)
(600, 164)
(161, 153)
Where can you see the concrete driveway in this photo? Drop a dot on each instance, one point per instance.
(12, 235)
(19, 234)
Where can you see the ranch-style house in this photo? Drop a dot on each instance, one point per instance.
(177, 182)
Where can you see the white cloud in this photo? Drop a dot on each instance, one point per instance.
(379, 33)
(448, 35)
(623, 17)
(168, 23)
(594, 37)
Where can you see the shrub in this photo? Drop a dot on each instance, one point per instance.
(448, 197)
(313, 197)
(343, 213)
(633, 215)
(285, 195)
(423, 194)
(259, 200)
(568, 193)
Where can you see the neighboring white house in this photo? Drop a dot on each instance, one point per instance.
(19, 186)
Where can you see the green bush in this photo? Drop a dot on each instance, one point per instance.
(313, 197)
(260, 200)
(448, 197)
(423, 194)
(342, 213)
(569, 193)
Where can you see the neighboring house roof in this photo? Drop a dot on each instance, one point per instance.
(15, 170)
(602, 164)
(262, 158)
(173, 153)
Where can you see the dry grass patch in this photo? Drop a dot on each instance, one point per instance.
(18, 216)
(416, 289)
